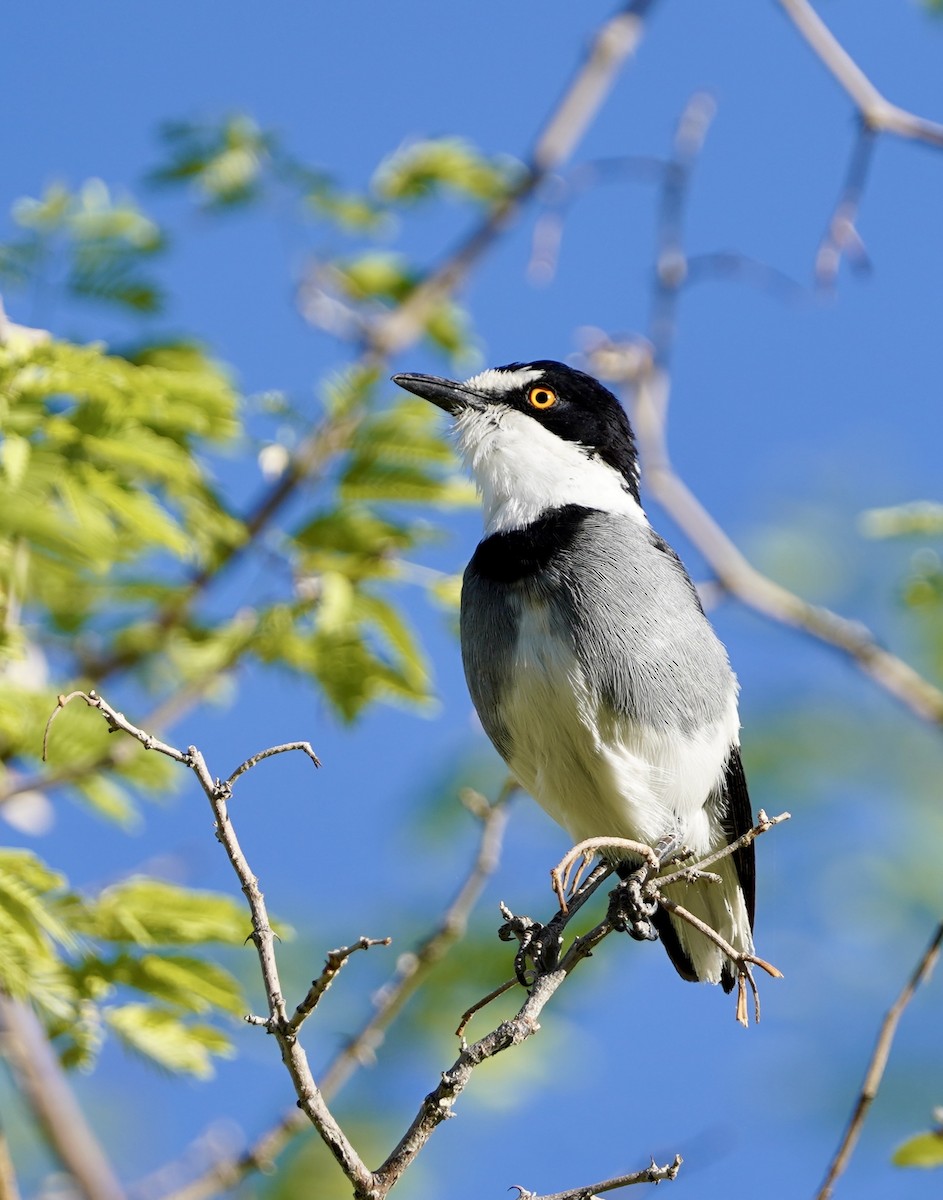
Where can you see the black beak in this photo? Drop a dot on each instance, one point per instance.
(445, 393)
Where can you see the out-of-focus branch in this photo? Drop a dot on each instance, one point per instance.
(651, 1174)
(878, 1063)
(412, 967)
(842, 238)
(8, 1185)
(613, 44)
(47, 1092)
(641, 367)
(878, 113)
(741, 579)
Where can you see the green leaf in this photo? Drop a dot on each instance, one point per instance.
(420, 169)
(25, 885)
(152, 912)
(224, 162)
(163, 1038)
(922, 1150)
(186, 983)
(14, 458)
(923, 517)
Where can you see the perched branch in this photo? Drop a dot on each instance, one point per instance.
(368, 1185)
(652, 890)
(878, 1063)
(763, 824)
(652, 1174)
(437, 1106)
(58, 1114)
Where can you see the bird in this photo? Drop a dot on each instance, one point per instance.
(590, 661)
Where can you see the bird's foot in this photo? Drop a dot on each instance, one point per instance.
(566, 887)
(632, 904)
(630, 911)
(539, 949)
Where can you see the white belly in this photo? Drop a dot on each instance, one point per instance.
(598, 774)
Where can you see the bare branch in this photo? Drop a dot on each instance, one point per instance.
(652, 1174)
(304, 747)
(876, 112)
(410, 971)
(58, 1114)
(310, 1099)
(335, 961)
(878, 1063)
(437, 1106)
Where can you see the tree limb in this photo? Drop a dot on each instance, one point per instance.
(58, 1114)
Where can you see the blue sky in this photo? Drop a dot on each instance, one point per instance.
(788, 420)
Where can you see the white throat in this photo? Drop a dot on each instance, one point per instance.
(521, 470)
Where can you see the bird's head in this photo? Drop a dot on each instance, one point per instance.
(538, 436)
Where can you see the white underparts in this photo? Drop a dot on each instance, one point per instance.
(598, 773)
(522, 469)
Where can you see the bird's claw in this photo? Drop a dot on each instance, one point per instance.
(539, 949)
(631, 912)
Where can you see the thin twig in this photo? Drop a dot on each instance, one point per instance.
(304, 747)
(494, 994)
(651, 1174)
(878, 1063)
(763, 824)
(335, 961)
(437, 1106)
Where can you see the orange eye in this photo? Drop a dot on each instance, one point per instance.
(542, 397)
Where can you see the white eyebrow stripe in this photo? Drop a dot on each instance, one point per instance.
(497, 382)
